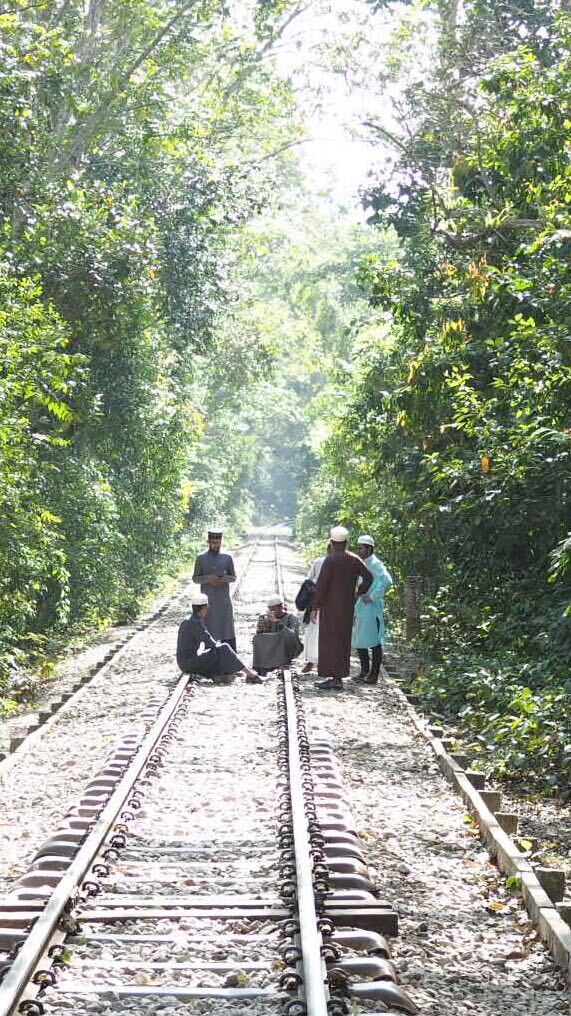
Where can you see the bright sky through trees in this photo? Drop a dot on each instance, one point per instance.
(334, 102)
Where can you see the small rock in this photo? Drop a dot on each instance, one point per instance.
(414, 974)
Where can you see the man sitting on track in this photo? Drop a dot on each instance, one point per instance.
(276, 642)
(198, 653)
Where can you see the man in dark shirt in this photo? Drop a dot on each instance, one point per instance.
(198, 653)
(214, 571)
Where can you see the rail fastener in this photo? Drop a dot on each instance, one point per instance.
(15, 985)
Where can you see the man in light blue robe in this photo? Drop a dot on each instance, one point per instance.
(368, 623)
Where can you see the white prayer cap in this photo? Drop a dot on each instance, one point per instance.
(339, 534)
(199, 600)
(365, 541)
(215, 530)
(274, 601)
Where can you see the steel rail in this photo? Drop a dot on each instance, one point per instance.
(240, 576)
(141, 627)
(34, 947)
(279, 572)
(16, 982)
(314, 973)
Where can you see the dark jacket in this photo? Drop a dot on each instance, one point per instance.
(191, 634)
(304, 598)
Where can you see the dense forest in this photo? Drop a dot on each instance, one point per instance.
(454, 442)
(136, 140)
(193, 326)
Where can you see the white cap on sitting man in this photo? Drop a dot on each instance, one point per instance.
(339, 534)
(198, 600)
(274, 601)
(365, 541)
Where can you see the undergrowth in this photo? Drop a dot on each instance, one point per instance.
(24, 668)
(512, 704)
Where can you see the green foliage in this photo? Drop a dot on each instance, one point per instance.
(519, 719)
(136, 140)
(478, 388)
(40, 398)
(297, 311)
(561, 566)
(454, 445)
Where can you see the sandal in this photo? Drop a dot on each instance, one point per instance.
(329, 685)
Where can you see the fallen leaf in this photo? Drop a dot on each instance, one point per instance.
(496, 906)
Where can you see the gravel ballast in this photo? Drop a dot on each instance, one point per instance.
(42, 781)
(207, 824)
(466, 945)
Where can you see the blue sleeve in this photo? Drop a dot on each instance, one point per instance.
(381, 582)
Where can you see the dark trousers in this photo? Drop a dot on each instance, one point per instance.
(377, 654)
(218, 661)
(274, 650)
(232, 644)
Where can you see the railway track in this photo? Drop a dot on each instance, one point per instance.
(164, 885)
(32, 730)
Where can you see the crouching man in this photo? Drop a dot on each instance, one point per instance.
(198, 653)
(276, 642)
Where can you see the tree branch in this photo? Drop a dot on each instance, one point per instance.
(89, 129)
(461, 242)
(388, 135)
(267, 47)
(277, 151)
(22, 10)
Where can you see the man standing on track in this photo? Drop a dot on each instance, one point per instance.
(311, 647)
(335, 600)
(215, 571)
(369, 624)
